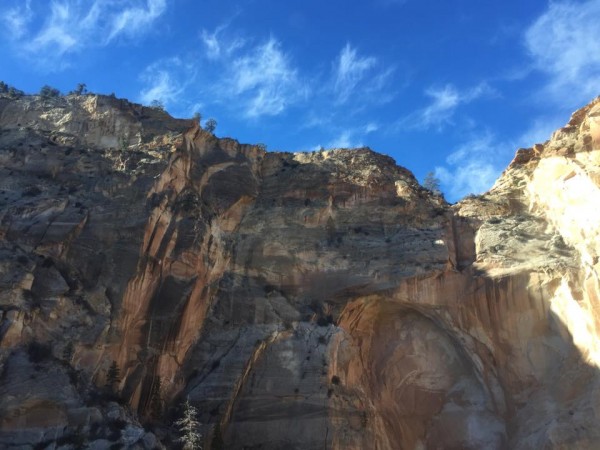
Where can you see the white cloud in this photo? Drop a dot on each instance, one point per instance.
(371, 127)
(443, 105)
(359, 77)
(265, 80)
(473, 167)
(212, 44)
(350, 137)
(166, 80)
(46, 31)
(563, 44)
(258, 80)
(134, 19)
(17, 19)
(350, 69)
(217, 45)
(344, 140)
(59, 33)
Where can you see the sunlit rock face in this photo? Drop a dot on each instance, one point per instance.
(307, 300)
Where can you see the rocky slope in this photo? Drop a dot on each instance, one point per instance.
(307, 300)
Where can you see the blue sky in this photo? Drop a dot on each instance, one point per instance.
(453, 86)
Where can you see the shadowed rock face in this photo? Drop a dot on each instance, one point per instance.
(307, 300)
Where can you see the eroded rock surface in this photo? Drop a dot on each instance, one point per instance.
(301, 301)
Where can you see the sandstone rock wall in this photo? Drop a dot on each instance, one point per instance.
(307, 300)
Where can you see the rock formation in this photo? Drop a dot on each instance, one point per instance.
(300, 301)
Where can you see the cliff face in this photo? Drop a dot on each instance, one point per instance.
(308, 300)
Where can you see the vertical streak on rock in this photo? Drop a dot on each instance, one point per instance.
(239, 385)
(158, 243)
(177, 276)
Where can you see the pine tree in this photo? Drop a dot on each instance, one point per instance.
(210, 125)
(155, 399)
(68, 351)
(188, 427)
(432, 183)
(15, 93)
(158, 105)
(49, 92)
(113, 376)
(80, 89)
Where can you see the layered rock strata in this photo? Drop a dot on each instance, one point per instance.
(306, 300)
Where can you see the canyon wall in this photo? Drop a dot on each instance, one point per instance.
(300, 301)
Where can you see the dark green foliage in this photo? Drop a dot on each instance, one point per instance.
(155, 199)
(156, 399)
(68, 352)
(432, 183)
(335, 380)
(188, 201)
(113, 375)
(158, 105)
(15, 93)
(124, 143)
(49, 92)
(80, 89)
(324, 321)
(331, 231)
(32, 191)
(210, 125)
(11, 91)
(117, 425)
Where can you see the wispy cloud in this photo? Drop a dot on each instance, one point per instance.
(59, 32)
(166, 80)
(350, 69)
(47, 31)
(264, 79)
(356, 75)
(212, 44)
(345, 139)
(474, 166)
(217, 45)
(350, 137)
(563, 44)
(443, 105)
(17, 19)
(130, 21)
(540, 130)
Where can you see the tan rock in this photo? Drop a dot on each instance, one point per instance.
(302, 300)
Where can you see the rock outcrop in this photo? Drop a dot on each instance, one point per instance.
(306, 300)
